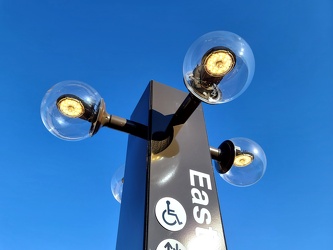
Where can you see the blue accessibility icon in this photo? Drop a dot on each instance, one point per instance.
(169, 216)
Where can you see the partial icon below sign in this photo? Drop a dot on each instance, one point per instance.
(170, 244)
(170, 214)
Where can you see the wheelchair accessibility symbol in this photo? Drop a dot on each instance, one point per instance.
(170, 214)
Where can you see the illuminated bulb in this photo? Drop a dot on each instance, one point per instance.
(70, 107)
(249, 163)
(219, 63)
(66, 101)
(218, 67)
(243, 158)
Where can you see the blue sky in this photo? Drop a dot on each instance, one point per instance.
(56, 194)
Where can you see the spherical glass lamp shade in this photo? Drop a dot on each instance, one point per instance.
(117, 183)
(69, 109)
(218, 67)
(249, 164)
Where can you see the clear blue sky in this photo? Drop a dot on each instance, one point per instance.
(56, 194)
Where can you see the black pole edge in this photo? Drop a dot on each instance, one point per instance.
(185, 110)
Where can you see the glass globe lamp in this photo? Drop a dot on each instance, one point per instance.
(117, 183)
(249, 163)
(69, 110)
(218, 67)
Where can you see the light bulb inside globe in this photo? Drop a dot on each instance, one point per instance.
(218, 62)
(240, 161)
(70, 109)
(242, 158)
(73, 106)
(218, 67)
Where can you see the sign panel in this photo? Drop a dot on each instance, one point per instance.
(183, 202)
(169, 199)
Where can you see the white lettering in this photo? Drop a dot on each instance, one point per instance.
(199, 197)
(202, 215)
(201, 177)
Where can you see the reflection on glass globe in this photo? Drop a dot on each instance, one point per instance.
(69, 108)
(249, 164)
(117, 183)
(218, 67)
